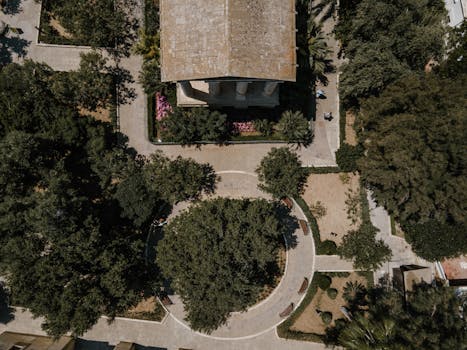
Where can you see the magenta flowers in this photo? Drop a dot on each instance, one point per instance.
(163, 106)
(243, 127)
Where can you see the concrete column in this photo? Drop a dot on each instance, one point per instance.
(214, 88)
(241, 87)
(186, 87)
(269, 88)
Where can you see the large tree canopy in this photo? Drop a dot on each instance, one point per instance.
(415, 136)
(75, 206)
(432, 318)
(219, 255)
(386, 38)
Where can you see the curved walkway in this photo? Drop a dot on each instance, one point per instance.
(264, 316)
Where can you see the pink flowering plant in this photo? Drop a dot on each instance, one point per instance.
(163, 106)
(243, 127)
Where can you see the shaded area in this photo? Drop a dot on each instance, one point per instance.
(83, 344)
(11, 7)
(10, 46)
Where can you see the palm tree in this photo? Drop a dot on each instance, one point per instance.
(364, 334)
(318, 51)
(294, 127)
(326, 8)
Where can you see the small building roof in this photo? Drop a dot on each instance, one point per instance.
(227, 38)
(456, 268)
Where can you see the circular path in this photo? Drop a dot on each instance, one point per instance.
(263, 316)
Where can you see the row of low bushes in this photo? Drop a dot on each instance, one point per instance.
(326, 247)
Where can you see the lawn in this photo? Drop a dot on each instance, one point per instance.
(336, 197)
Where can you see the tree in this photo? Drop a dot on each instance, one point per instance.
(384, 40)
(69, 250)
(150, 77)
(355, 247)
(220, 253)
(281, 173)
(319, 52)
(98, 24)
(188, 126)
(295, 128)
(454, 64)
(434, 241)
(180, 179)
(431, 317)
(414, 139)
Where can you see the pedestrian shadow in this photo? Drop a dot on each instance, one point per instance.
(12, 7)
(10, 46)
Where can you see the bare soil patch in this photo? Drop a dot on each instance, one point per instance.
(102, 114)
(350, 134)
(55, 24)
(147, 309)
(332, 191)
(310, 321)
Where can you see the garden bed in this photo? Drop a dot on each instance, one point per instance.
(336, 197)
(310, 320)
(149, 309)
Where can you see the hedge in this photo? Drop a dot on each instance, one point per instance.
(283, 330)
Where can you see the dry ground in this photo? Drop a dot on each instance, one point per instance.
(147, 309)
(350, 135)
(331, 190)
(54, 23)
(310, 321)
(101, 114)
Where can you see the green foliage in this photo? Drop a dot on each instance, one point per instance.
(323, 281)
(454, 65)
(148, 46)
(188, 126)
(104, 23)
(326, 317)
(386, 39)
(294, 127)
(432, 317)
(415, 156)
(318, 51)
(347, 157)
(264, 126)
(281, 174)
(150, 77)
(434, 241)
(355, 246)
(332, 293)
(327, 247)
(284, 329)
(179, 179)
(75, 207)
(220, 253)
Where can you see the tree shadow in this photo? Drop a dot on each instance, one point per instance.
(6, 312)
(122, 78)
(12, 7)
(10, 46)
(83, 344)
(289, 224)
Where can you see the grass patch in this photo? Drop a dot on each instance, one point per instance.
(283, 330)
(368, 276)
(342, 121)
(151, 102)
(324, 170)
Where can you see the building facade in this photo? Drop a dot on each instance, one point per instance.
(228, 52)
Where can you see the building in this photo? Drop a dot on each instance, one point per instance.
(454, 271)
(228, 52)
(19, 341)
(457, 11)
(406, 276)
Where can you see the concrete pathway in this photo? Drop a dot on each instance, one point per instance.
(402, 253)
(332, 263)
(242, 158)
(263, 316)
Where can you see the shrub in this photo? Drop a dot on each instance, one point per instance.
(318, 210)
(326, 317)
(324, 281)
(294, 127)
(328, 247)
(347, 156)
(281, 173)
(264, 126)
(332, 293)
